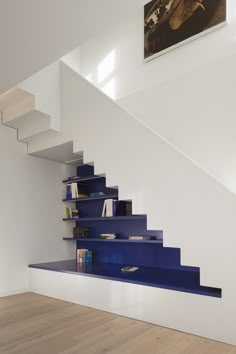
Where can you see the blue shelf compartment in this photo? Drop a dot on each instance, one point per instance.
(184, 280)
(159, 266)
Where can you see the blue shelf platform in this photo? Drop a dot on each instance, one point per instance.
(101, 197)
(109, 240)
(131, 217)
(83, 179)
(166, 278)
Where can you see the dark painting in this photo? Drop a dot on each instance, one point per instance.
(170, 22)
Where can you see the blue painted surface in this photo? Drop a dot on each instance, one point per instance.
(109, 240)
(109, 218)
(90, 199)
(138, 254)
(166, 278)
(159, 266)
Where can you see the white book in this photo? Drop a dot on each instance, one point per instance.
(74, 190)
(104, 209)
(109, 207)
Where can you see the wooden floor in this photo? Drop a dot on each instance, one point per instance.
(33, 324)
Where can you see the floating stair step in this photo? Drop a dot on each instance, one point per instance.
(38, 136)
(12, 97)
(13, 114)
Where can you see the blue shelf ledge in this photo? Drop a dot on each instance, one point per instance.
(91, 198)
(110, 240)
(165, 278)
(107, 218)
(83, 179)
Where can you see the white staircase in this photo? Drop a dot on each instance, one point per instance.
(19, 112)
(195, 211)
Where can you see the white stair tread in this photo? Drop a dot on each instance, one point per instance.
(47, 133)
(13, 97)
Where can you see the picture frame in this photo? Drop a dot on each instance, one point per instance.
(169, 24)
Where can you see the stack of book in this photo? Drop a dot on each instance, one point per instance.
(137, 237)
(112, 207)
(84, 256)
(71, 213)
(108, 236)
(75, 191)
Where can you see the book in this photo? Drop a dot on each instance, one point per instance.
(113, 207)
(129, 269)
(84, 255)
(74, 213)
(81, 232)
(68, 191)
(108, 208)
(68, 213)
(108, 236)
(71, 213)
(122, 208)
(137, 237)
(73, 178)
(96, 194)
(75, 191)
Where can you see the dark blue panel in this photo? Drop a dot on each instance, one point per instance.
(138, 254)
(122, 228)
(85, 170)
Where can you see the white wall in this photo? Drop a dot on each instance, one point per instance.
(35, 33)
(31, 209)
(45, 87)
(186, 96)
(130, 73)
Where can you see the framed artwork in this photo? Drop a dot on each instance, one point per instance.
(170, 23)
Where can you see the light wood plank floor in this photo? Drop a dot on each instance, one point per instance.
(34, 324)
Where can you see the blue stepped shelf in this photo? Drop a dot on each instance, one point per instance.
(166, 278)
(110, 240)
(130, 217)
(90, 199)
(83, 179)
(159, 266)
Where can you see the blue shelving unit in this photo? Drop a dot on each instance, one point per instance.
(159, 266)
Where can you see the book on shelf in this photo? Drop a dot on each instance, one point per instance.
(108, 236)
(139, 237)
(113, 207)
(81, 232)
(71, 213)
(73, 178)
(84, 255)
(76, 190)
(129, 269)
(96, 194)
(68, 191)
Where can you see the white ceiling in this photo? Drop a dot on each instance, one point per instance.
(34, 33)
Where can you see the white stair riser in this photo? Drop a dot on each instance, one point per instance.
(13, 113)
